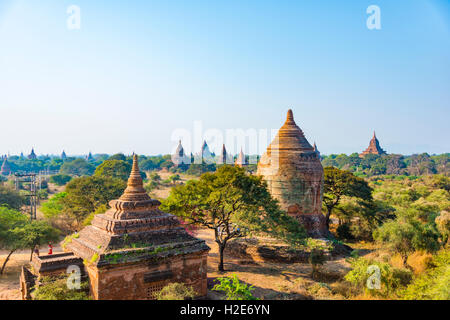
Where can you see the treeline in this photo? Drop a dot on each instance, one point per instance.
(78, 166)
(390, 164)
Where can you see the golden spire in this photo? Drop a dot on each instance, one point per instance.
(135, 188)
(290, 116)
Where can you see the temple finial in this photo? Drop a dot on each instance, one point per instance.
(290, 115)
(135, 187)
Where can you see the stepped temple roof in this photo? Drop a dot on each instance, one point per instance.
(32, 155)
(133, 230)
(294, 175)
(374, 147)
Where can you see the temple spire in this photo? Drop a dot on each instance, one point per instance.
(135, 188)
(290, 117)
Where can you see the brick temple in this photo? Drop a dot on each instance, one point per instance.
(132, 251)
(294, 175)
(373, 148)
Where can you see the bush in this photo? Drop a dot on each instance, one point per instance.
(343, 231)
(443, 225)
(55, 288)
(176, 291)
(316, 258)
(42, 194)
(434, 284)
(234, 289)
(364, 276)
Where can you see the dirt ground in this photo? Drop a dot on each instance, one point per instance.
(270, 280)
(9, 281)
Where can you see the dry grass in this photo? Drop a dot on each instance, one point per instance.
(419, 261)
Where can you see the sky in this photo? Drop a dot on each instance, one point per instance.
(137, 73)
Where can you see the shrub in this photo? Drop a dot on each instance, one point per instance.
(176, 291)
(343, 231)
(316, 259)
(364, 276)
(234, 289)
(443, 225)
(55, 288)
(434, 284)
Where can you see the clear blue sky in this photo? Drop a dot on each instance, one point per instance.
(138, 70)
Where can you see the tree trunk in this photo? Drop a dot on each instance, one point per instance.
(327, 217)
(221, 250)
(6, 261)
(31, 255)
(405, 262)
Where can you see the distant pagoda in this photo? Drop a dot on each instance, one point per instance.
(63, 156)
(179, 158)
(223, 156)
(205, 155)
(6, 169)
(32, 155)
(89, 157)
(241, 161)
(374, 147)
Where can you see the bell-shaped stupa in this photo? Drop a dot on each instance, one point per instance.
(294, 176)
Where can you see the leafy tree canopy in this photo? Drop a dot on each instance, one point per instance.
(230, 202)
(86, 194)
(339, 184)
(11, 198)
(114, 169)
(77, 167)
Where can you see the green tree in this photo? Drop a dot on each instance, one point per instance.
(36, 233)
(339, 184)
(231, 202)
(118, 156)
(406, 234)
(114, 169)
(17, 232)
(174, 178)
(60, 179)
(11, 198)
(54, 206)
(86, 194)
(78, 167)
(10, 220)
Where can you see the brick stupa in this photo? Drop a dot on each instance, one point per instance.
(134, 249)
(373, 148)
(294, 176)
